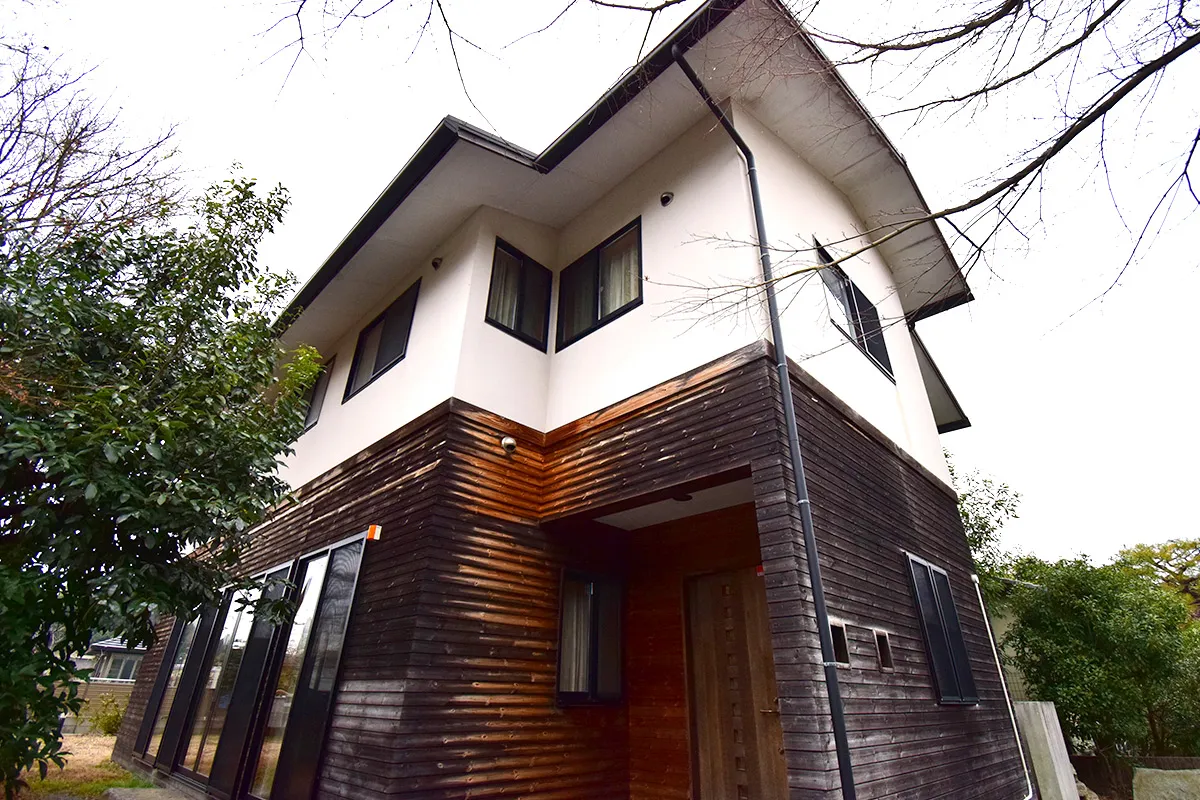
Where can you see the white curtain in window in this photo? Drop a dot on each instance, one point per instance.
(576, 636)
(506, 279)
(620, 272)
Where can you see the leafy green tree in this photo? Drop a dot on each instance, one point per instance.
(985, 505)
(1182, 716)
(1174, 564)
(1110, 648)
(144, 402)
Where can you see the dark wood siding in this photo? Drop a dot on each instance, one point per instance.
(870, 505)
(447, 680)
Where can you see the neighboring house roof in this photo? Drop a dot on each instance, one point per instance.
(109, 645)
(792, 89)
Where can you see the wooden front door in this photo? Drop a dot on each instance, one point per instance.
(737, 741)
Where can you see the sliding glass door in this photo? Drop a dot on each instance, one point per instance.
(290, 755)
(242, 703)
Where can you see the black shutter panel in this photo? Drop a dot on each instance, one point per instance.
(940, 660)
(954, 638)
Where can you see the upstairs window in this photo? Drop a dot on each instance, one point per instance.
(601, 286)
(519, 298)
(943, 635)
(589, 644)
(853, 314)
(316, 395)
(383, 343)
(121, 667)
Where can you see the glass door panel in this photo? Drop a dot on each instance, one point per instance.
(289, 674)
(184, 647)
(295, 767)
(219, 679)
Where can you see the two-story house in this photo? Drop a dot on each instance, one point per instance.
(547, 538)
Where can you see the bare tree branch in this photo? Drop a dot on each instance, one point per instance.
(64, 166)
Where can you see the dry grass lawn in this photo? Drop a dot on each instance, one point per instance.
(88, 773)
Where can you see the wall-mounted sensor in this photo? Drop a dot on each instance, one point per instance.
(437, 262)
(509, 444)
(665, 198)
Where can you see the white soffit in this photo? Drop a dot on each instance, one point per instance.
(947, 413)
(699, 502)
(794, 91)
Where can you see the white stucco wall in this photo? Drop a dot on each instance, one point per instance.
(800, 204)
(680, 246)
(424, 378)
(703, 238)
(496, 370)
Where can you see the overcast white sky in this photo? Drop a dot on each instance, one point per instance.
(1091, 416)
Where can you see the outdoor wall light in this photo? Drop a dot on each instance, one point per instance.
(509, 444)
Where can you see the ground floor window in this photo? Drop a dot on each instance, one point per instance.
(944, 641)
(589, 650)
(241, 704)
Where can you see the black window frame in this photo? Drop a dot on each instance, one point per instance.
(411, 295)
(234, 762)
(591, 260)
(945, 645)
(316, 395)
(592, 696)
(527, 265)
(861, 313)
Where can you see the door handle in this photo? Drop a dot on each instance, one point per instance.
(767, 711)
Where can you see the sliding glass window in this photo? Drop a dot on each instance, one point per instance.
(219, 679)
(182, 649)
(289, 674)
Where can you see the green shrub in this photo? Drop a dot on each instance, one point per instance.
(107, 717)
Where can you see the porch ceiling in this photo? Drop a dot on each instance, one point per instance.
(697, 502)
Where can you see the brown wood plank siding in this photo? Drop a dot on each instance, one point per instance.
(447, 679)
(479, 716)
(869, 506)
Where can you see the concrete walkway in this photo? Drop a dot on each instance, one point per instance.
(144, 794)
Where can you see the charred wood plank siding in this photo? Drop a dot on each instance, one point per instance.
(447, 682)
(870, 505)
(391, 484)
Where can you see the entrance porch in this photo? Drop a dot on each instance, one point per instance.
(699, 697)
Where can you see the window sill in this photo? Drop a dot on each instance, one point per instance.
(583, 701)
(620, 312)
(374, 378)
(520, 337)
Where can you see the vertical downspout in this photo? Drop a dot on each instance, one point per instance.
(836, 710)
(1012, 713)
